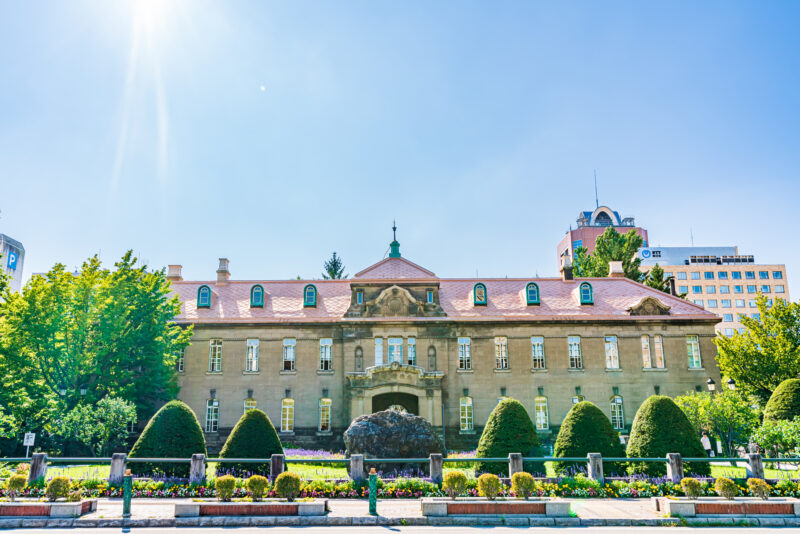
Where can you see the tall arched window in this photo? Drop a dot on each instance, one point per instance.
(532, 294)
(586, 293)
(617, 413)
(204, 297)
(325, 415)
(287, 415)
(359, 357)
(310, 296)
(257, 296)
(465, 413)
(542, 414)
(431, 358)
(479, 295)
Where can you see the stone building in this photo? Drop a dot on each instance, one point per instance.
(316, 354)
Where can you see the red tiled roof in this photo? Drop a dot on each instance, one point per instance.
(392, 268)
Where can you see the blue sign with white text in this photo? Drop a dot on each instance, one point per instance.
(12, 260)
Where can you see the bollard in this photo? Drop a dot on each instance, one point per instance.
(595, 466)
(357, 466)
(127, 491)
(38, 467)
(276, 466)
(674, 467)
(755, 466)
(197, 469)
(435, 461)
(117, 471)
(373, 492)
(514, 463)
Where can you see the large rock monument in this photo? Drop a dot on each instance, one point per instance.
(391, 434)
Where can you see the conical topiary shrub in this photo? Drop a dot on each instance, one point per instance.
(586, 429)
(784, 403)
(509, 429)
(254, 436)
(173, 432)
(660, 427)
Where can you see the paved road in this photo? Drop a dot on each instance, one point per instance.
(407, 530)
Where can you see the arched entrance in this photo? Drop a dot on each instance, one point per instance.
(386, 400)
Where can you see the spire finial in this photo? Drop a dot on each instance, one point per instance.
(394, 230)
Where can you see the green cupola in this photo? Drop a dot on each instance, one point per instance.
(394, 246)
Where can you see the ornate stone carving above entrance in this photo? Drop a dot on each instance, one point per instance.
(649, 306)
(380, 300)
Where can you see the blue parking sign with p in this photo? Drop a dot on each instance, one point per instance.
(12, 260)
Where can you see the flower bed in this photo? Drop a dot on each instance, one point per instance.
(479, 506)
(28, 508)
(718, 506)
(261, 508)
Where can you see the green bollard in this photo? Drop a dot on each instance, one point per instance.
(127, 491)
(373, 492)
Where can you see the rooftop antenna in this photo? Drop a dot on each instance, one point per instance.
(691, 235)
(596, 201)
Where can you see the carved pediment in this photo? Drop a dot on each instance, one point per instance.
(394, 301)
(649, 306)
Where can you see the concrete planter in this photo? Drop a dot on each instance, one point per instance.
(47, 509)
(443, 506)
(261, 508)
(719, 507)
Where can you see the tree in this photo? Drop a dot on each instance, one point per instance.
(655, 279)
(727, 416)
(766, 353)
(660, 428)
(509, 429)
(334, 268)
(779, 437)
(784, 403)
(610, 246)
(173, 432)
(102, 428)
(586, 429)
(254, 436)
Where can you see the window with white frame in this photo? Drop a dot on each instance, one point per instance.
(466, 414)
(378, 351)
(325, 360)
(612, 352)
(617, 413)
(395, 349)
(249, 404)
(658, 349)
(575, 355)
(541, 413)
(501, 353)
(180, 362)
(412, 351)
(464, 353)
(251, 360)
(537, 352)
(289, 346)
(287, 415)
(647, 360)
(325, 415)
(215, 356)
(212, 415)
(693, 351)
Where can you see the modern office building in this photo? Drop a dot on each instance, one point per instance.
(591, 224)
(314, 354)
(719, 279)
(13, 259)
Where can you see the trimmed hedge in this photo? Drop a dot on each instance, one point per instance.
(254, 436)
(587, 429)
(784, 403)
(660, 427)
(173, 432)
(509, 429)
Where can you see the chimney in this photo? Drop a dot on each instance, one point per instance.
(672, 290)
(566, 267)
(174, 273)
(615, 269)
(223, 274)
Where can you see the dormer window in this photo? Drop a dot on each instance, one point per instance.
(310, 296)
(479, 295)
(532, 294)
(587, 297)
(204, 297)
(359, 297)
(429, 296)
(257, 296)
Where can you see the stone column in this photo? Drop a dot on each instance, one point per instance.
(436, 468)
(357, 466)
(38, 466)
(197, 469)
(514, 463)
(595, 466)
(674, 467)
(755, 466)
(276, 466)
(118, 462)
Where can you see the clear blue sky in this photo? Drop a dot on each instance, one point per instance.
(274, 133)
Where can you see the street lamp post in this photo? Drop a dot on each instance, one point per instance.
(712, 386)
(731, 384)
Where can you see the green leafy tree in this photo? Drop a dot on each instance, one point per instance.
(586, 429)
(784, 403)
(610, 246)
(102, 428)
(727, 416)
(509, 429)
(766, 353)
(334, 268)
(655, 279)
(779, 437)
